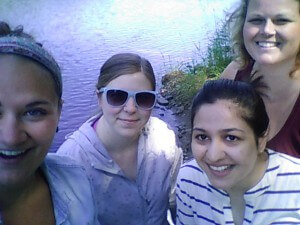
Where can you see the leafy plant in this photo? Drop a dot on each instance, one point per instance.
(185, 81)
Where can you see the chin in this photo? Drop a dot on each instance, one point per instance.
(129, 133)
(267, 61)
(220, 186)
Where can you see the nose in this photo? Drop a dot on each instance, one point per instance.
(268, 28)
(11, 132)
(215, 151)
(130, 106)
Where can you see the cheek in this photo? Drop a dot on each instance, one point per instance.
(111, 111)
(249, 32)
(295, 39)
(43, 135)
(197, 150)
(245, 154)
(145, 114)
(107, 109)
(43, 132)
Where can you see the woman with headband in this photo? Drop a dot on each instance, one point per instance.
(131, 158)
(35, 188)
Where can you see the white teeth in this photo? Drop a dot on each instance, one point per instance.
(11, 152)
(219, 168)
(264, 44)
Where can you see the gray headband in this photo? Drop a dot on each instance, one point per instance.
(29, 48)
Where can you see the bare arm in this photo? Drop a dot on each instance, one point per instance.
(174, 172)
(231, 70)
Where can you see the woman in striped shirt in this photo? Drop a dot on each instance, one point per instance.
(234, 179)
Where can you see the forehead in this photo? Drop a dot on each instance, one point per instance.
(222, 114)
(136, 81)
(14, 62)
(274, 7)
(19, 75)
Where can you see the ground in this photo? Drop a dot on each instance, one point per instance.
(181, 111)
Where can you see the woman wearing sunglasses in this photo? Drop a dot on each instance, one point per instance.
(131, 158)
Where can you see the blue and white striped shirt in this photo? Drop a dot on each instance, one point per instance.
(274, 200)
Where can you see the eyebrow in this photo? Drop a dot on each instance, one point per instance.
(286, 15)
(198, 129)
(36, 103)
(225, 130)
(257, 14)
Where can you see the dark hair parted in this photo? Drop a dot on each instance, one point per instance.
(247, 99)
(125, 63)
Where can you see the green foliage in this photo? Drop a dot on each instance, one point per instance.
(218, 56)
(219, 52)
(191, 77)
(187, 87)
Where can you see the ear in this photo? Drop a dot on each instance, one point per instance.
(60, 105)
(262, 141)
(99, 96)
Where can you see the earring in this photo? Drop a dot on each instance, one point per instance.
(57, 129)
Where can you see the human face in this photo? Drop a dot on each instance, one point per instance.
(29, 114)
(127, 120)
(224, 146)
(272, 30)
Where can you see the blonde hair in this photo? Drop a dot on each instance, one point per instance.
(236, 23)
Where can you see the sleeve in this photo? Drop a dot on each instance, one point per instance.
(184, 212)
(72, 149)
(231, 70)
(74, 197)
(174, 172)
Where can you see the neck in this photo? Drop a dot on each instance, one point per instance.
(11, 195)
(254, 177)
(278, 78)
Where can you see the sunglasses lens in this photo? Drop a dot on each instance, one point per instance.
(116, 97)
(145, 100)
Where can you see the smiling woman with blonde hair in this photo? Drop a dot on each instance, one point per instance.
(266, 37)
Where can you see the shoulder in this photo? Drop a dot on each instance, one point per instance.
(160, 139)
(81, 139)
(191, 178)
(190, 169)
(287, 163)
(70, 188)
(63, 172)
(155, 123)
(190, 174)
(285, 169)
(159, 131)
(231, 70)
(61, 164)
(66, 172)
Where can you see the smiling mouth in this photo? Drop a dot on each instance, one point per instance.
(267, 44)
(220, 168)
(128, 120)
(12, 154)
